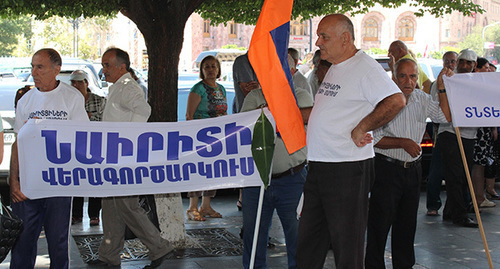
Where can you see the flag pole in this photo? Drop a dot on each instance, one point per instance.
(257, 227)
(474, 201)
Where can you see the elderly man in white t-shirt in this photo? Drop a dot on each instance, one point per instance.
(56, 100)
(355, 98)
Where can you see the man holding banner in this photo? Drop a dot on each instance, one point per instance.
(395, 194)
(50, 99)
(355, 98)
(126, 103)
(454, 174)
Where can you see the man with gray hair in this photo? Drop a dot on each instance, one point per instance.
(455, 208)
(395, 194)
(126, 103)
(50, 99)
(436, 176)
(355, 98)
(399, 50)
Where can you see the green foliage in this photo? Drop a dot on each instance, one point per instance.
(248, 11)
(377, 51)
(263, 147)
(12, 31)
(43, 9)
(492, 34)
(474, 41)
(233, 46)
(57, 32)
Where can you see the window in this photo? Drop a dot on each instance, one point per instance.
(370, 30)
(206, 28)
(447, 33)
(298, 28)
(406, 29)
(232, 30)
(459, 34)
(108, 37)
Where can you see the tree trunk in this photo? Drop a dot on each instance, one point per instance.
(162, 25)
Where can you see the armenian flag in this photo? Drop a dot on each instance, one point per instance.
(268, 55)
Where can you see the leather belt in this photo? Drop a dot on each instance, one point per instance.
(398, 162)
(293, 170)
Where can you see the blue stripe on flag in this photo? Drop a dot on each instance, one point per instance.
(280, 37)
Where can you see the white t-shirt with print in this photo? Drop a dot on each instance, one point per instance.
(349, 92)
(62, 103)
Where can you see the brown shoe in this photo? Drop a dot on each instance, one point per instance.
(94, 221)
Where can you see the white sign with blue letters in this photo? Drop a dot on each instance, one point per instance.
(100, 159)
(474, 99)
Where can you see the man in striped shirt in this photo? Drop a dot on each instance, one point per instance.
(395, 194)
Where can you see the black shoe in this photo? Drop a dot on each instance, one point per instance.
(466, 222)
(99, 263)
(158, 262)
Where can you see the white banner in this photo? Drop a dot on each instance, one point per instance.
(99, 159)
(474, 99)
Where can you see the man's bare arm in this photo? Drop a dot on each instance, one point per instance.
(15, 187)
(384, 112)
(306, 112)
(407, 144)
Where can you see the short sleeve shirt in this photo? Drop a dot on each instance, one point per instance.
(349, 92)
(213, 101)
(62, 103)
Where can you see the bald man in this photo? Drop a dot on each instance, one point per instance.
(356, 97)
(399, 50)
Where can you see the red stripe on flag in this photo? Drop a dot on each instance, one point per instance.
(266, 64)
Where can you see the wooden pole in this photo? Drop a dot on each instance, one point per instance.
(474, 202)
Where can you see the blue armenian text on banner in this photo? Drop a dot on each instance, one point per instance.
(474, 99)
(100, 159)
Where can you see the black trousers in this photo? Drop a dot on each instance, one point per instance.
(457, 191)
(334, 214)
(93, 208)
(394, 203)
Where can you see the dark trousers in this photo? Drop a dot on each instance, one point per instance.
(435, 178)
(93, 208)
(334, 214)
(394, 202)
(54, 215)
(455, 208)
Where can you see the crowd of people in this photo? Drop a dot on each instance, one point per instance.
(359, 174)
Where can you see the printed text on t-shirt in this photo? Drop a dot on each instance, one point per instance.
(49, 114)
(329, 89)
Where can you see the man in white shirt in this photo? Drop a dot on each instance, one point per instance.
(355, 98)
(395, 194)
(126, 103)
(50, 99)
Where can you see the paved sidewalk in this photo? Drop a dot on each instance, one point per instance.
(438, 244)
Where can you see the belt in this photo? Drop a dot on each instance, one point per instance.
(291, 171)
(398, 162)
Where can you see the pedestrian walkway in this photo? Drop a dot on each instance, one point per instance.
(438, 244)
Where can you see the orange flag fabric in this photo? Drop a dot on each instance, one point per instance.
(268, 55)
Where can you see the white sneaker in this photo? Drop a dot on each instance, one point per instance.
(487, 203)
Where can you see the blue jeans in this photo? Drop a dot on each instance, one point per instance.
(283, 194)
(54, 214)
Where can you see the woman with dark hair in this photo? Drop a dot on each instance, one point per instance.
(483, 169)
(207, 99)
